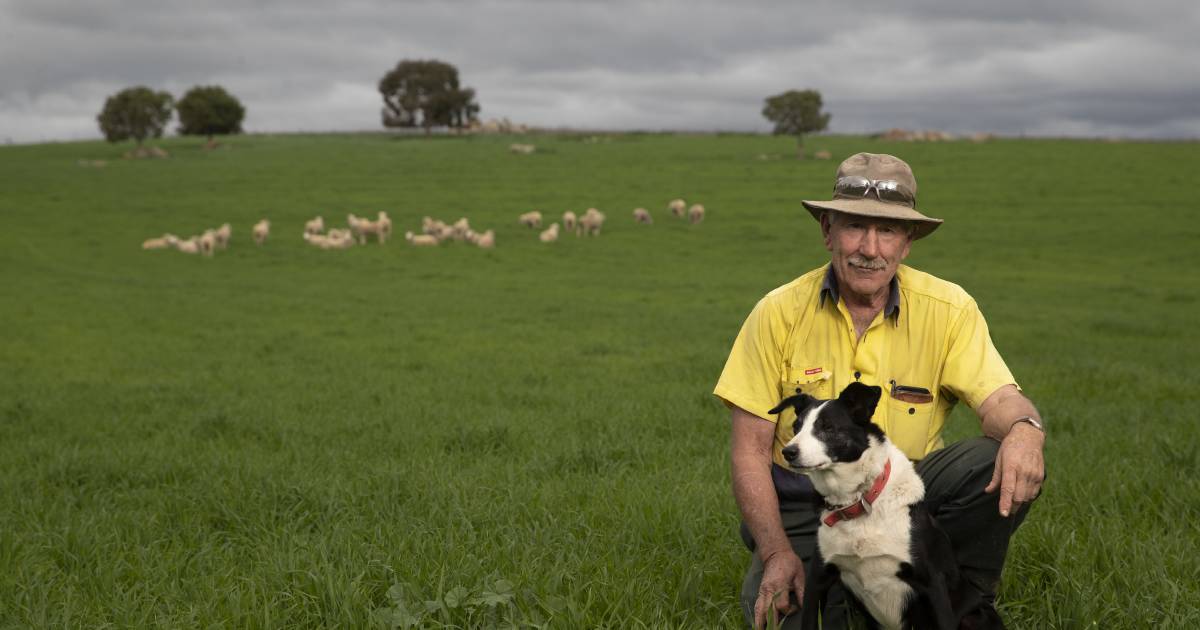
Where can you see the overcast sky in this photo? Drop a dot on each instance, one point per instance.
(1063, 68)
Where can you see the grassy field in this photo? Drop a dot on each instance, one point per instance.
(454, 437)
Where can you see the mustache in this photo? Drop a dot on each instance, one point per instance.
(859, 261)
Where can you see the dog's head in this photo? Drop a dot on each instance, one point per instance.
(829, 432)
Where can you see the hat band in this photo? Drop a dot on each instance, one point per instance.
(886, 190)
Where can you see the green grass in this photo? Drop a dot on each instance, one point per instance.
(287, 437)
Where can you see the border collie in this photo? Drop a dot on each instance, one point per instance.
(876, 536)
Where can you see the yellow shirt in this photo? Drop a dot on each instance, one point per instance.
(798, 338)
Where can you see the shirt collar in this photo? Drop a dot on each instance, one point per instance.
(829, 287)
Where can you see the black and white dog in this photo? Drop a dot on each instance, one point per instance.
(876, 536)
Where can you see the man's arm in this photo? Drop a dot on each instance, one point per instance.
(751, 439)
(1020, 467)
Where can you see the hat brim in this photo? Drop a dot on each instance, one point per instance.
(923, 225)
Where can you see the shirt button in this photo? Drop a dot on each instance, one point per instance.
(857, 375)
(912, 410)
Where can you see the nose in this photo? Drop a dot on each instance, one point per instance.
(791, 452)
(870, 243)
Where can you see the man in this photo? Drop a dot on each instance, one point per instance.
(865, 317)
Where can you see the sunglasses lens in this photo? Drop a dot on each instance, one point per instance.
(892, 192)
(853, 186)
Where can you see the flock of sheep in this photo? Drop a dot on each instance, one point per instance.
(433, 231)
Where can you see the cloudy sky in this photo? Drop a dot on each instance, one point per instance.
(1065, 68)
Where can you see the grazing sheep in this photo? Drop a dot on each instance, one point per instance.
(223, 234)
(261, 231)
(461, 228)
(487, 240)
(162, 242)
(189, 246)
(531, 219)
(590, 223)
(569, 220)
(695, 214)
(421, 240)
(315, 226)
(641, 215)
(550, 234)
(524, 149)
(677, 207)
(823, 155)
(432, 226)
(208, 242)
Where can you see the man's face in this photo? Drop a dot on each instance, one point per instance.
(866, 251)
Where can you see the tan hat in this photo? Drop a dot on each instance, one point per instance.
(876, 185)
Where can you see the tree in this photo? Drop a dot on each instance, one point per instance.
(136, 112)
(426, 93)
(209, 110)
(796, 113)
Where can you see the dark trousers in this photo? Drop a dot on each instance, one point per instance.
(954, 478)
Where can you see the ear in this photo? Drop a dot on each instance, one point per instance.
(860, 400)
(799, 402)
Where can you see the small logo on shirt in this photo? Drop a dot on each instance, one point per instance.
(811, 371)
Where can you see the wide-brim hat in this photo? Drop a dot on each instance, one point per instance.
(877, 167)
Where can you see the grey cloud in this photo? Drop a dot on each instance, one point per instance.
(1067, 68)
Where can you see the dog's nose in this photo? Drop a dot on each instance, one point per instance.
(791, 452)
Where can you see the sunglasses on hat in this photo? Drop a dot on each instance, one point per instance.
(854, 186)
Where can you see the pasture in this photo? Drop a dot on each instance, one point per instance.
(390, 436)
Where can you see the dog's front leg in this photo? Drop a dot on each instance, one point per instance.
(819, 578)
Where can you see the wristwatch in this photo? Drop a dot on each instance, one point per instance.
(1031, 420)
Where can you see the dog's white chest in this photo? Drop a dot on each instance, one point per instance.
(868, 552)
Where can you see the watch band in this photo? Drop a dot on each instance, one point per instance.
(1034, 422)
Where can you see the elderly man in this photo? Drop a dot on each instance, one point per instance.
(865, 317)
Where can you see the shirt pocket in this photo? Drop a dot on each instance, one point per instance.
(818, 385)
(909, 425)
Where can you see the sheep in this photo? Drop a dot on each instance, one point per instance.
(550, 234)
(383, 226)
(461, 227)
(641, 215)
(823, 155)
(335, 239)
(421, 240)
(531, 219)
(432, 226)
(189, 246)
(487, 240)
(524, 149)
(695, 214)
(677, 207)
(261, 231)
(569, 220)
(208, 242)
(223, 234)
(590, 223)
(162, 242)
(444, 233)
(315, 226)
(356, 227)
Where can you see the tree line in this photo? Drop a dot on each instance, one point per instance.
(424, 93)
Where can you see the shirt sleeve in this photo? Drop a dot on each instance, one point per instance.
(754, 368)
(973, 368)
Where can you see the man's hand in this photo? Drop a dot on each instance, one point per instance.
(782, 572)
(1020, 468)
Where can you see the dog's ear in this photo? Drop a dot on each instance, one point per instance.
(799, 402)
(860, 400)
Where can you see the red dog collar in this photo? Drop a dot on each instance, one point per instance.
(863, 505)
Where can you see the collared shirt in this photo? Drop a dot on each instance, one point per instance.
(796, 340)
(891, 309)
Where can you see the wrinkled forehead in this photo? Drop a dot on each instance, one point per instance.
(844, 218)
